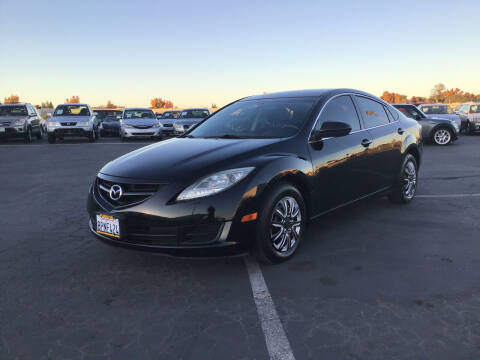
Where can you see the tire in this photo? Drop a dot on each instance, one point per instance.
(272, 245)
(400, 193)
(102, 133)
(28, 135)
(51, 139)
(40, 133)
(91, 136)
(442, 136)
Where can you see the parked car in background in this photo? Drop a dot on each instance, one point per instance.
(101, 114)
(20, 121)
(440, 131)
(255, 172)
(72, 120)
(167, 120)
(110, 126)
(139, 123)
(442, 111)
(472, 111)
(189, 118)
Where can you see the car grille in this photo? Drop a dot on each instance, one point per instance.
(168, 125)
(68, 123)
(77, 132)
(140, 230)
(132, 194)
(185, 127)
(143, 134)
(5, 123)
(142, 126)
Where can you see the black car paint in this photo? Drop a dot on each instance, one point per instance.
(329, 173)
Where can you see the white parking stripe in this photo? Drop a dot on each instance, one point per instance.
(76, 144)
(277, 342)
(447, 195)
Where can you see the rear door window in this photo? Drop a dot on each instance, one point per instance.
(373, 113)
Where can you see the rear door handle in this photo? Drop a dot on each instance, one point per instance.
(366, 142)
(400, 131)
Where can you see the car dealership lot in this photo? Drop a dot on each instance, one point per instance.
(371, 281)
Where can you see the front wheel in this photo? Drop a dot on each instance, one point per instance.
(40, 133)
(442, 136)
(405, 186)
(91, 136)
(51, 138)
(281, 224)
(28, 135)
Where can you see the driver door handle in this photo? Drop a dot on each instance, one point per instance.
(366, 142)
(400, 131)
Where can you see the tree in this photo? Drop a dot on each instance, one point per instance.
(73, 100)
(159, 103)
(168, 104)
(214, 106)
(437, 93)
(12, 99)
(110, 105)
(47, 104)
(393, 98)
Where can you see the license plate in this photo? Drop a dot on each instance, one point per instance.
(108, 225)
(2, 129)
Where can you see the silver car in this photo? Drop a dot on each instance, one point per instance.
(189, 118)
(167, 119)
(139, 123)
(72, 120)
(472, 111)
(20, 121)
(440, 111)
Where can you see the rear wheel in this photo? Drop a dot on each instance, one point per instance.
(51, 139)
(405, 186)
(281, 224)
(442, 136)
(91, 136)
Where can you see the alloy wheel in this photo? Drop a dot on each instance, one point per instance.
(442, 136)
(285, 225)
(409, 180)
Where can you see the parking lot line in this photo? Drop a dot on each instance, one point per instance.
(447, 195)
(75, 144)
(277, 342)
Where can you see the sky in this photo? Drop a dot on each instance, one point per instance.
(196, 53)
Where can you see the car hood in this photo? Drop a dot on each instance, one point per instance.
(185, 158)
(188, 121)
(70, 118)
(140, 122)
(438, 120)
(453, 117)
(7, 120)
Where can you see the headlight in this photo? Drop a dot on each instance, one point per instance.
(178, 127)
(156, 125)
(19, 122)
(126, 126)
(84, 123)
(215, 183)
(53, 124)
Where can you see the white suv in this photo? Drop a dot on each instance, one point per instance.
(72, 120)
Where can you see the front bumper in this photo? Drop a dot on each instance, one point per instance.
(12, 132)
(141, 133)
(474, 126)
(70, 131)
(203, 227)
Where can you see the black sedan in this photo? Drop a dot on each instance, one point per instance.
(110, 126)
(251, 175)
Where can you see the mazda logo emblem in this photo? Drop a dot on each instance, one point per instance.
(116, 192)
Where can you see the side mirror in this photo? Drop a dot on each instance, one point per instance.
(418, 117)
(330, 129)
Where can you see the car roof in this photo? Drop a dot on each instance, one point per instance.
(143, 109)
(403, 104)
(434, 104)
(16, 104)
(307, 93)
(188, 109)
(74, 104)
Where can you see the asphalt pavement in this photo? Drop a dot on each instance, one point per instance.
(372, 281)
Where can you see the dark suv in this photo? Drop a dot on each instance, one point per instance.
(440, 131)
(20, 121)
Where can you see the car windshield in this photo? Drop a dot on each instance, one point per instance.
(16, 110)
(110, 118)
(410, 111)
(194, 114)
(101, 114)
(268, 118)
(475, 109)
(72, 110)
(138, 114)
(170, 115)
(436, 109)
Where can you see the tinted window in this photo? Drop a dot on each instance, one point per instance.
(16, 110)
(268, 118)
(373, 112)
(194, 114)
(475, 109)
(410, 111)
(340, 109)
(138, 114)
